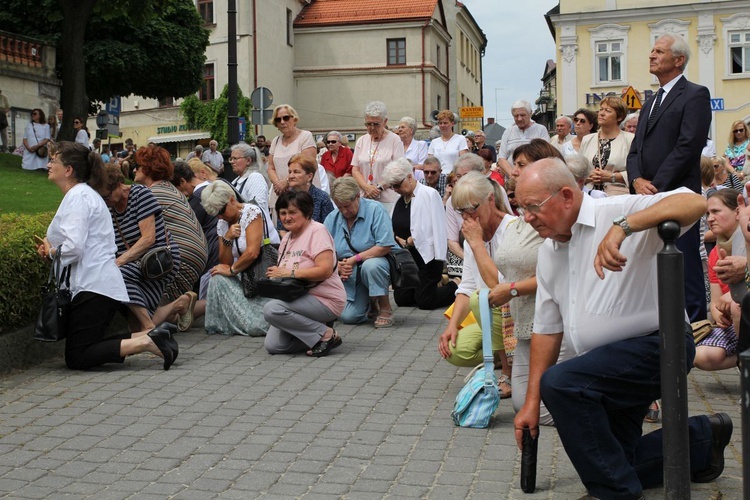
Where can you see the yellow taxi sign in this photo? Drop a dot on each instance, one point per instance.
(630, 96)
(471, 112)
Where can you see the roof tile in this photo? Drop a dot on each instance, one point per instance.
(337, 12)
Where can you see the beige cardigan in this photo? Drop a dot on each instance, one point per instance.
(618, 156)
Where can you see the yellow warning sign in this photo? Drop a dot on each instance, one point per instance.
(471, 112)
(630, 96)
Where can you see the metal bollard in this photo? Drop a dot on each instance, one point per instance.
(745, 383)
(675, 445)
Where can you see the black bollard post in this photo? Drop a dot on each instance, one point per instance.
(670, 275)
(745, 409)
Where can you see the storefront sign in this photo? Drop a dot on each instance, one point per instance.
(172, 129)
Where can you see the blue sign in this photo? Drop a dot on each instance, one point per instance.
(717, 104)
(243, 128)
(114, 105)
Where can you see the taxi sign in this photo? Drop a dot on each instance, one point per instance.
(632, 101)
(471, 112)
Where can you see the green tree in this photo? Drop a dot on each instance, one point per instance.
(153, 48)
(212, 115)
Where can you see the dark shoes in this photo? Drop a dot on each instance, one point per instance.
(163, 337)
(324, 347)
(721, 433)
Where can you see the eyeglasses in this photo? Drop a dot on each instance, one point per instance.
(233, 159)
(373, 124)
(430, 172)
(536, 208)
(223, 209)
(398, 187)
(331, 142)
(580, 120)
(469, 210)
(286, 118)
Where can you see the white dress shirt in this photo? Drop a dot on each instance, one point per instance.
(571, 298)
(427, 218)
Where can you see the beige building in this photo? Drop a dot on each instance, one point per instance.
(328, 59)
(604, 47)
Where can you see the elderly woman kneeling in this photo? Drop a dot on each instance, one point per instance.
(362, 235)
(306, 253)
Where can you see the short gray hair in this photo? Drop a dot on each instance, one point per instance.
(199, 149)
(521, 104)
(396, 171)
(679, 47)
(213, 141)
(635, 115)
(376, 108)
(579, 166)
(344, 190)
(335, 133)
(409, 122)
(250, 152)
(433, 160)
(215, 196)
(471, 161)
(566, 118)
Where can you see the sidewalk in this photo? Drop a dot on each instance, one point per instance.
(372, 420)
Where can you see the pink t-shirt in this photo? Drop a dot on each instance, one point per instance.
(282, 154)
(372, 157)
(300, 253)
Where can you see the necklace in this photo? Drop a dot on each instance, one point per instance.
(373, 156)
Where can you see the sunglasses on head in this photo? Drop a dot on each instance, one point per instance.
(286, 118)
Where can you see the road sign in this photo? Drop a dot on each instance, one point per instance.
(261, 98)
(261, 119)
(632, 101)
(113, 125)
(243, 128)
(717, 104)
(102, 119)
(471, 112)
(114, 105)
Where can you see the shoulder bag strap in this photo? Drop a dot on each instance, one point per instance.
(486, 316)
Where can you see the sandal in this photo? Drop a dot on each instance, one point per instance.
(503, 385)
(324, 347)
(384, 321)
(185, 321)
(652, 416)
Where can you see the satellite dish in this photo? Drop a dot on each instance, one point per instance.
(433, 115)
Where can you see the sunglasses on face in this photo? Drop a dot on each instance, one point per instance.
(223, 209)
(76, 121)
(286, 118)
(372, 124)
(430, 172)
(739, 131)
(580, 120)
(331, 142)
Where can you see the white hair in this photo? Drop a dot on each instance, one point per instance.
(579, 166)
(521, 104)
(396, 171)
(376, 108)
(679, 47)
(567, 119)
(409, 122)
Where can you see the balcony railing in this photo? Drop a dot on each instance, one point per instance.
(21, 50)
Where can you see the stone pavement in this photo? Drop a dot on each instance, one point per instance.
(230, 421)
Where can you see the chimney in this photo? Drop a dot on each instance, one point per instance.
(490, 121)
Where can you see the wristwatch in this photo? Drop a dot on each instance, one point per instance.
(513, 290)
(614, 178)
(622, 221)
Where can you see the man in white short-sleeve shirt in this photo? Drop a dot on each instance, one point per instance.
(596, 278)
(521, 132)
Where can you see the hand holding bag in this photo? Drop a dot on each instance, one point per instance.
(41, 151)
(51, 325)
(157, 262)
(256, 272)
(479, 398)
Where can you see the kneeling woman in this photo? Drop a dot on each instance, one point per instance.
(306, 252)
(83, 234)
(241, 234)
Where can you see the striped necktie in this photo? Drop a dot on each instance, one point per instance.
(657, 103)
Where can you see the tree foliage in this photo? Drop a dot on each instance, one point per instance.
(212, 115)
(153, 48)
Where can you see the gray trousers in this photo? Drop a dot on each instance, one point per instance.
(295, 326)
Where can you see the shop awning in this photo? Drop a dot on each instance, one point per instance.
(160, 139)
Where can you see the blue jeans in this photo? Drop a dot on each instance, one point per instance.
(598, 401)
(371, 278)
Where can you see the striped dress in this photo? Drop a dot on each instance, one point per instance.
(141, 205)
(187, 233)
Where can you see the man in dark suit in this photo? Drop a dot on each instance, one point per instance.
(665, 153)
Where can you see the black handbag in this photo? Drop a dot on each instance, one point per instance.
(286, 289)
(52, 323)
(157, 262)
(41, 151)
(404, 271)
(256, 272)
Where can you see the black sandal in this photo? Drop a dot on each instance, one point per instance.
(324, 347)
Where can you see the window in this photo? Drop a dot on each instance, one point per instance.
(289, 28)
(609, 59)
(206, 11)
(207, 92)
(739, 48)
(166, 102)
(437, 57)
(396, 51)
(439, 103)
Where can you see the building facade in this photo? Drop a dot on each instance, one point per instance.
(328, 59)
(604, 47)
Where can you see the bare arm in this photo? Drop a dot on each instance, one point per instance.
(147, 227)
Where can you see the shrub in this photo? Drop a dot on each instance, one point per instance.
(22, 272)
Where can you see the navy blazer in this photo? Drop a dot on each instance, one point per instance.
(668, 155)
